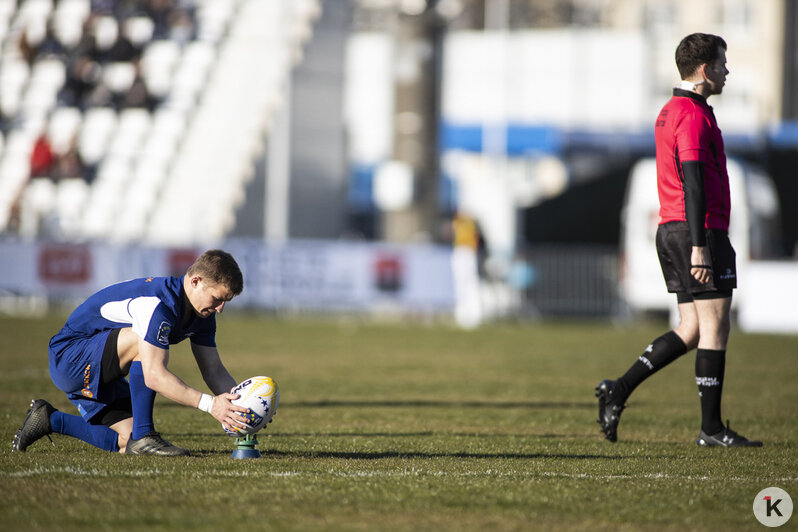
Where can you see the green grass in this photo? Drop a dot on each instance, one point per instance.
(418, 427)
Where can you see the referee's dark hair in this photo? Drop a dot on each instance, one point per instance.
(695, 50)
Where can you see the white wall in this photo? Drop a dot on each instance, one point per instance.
(565, 78)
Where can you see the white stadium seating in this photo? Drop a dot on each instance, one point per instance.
(150, 171)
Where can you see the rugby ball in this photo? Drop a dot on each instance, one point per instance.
(261, 395)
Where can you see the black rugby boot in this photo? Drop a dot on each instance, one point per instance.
(610, 407)
(152, 443)
(725, 438)
(35, 426)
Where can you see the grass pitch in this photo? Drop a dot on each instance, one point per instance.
(418, 427)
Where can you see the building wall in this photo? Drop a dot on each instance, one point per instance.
(753, 30)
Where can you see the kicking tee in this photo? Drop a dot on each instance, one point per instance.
(686, 130)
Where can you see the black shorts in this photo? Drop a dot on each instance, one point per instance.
(674, 248)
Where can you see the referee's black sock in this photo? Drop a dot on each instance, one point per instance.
(710, 365)
(657, 355)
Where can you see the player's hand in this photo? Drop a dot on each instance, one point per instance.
(228, 414)
(701, 264)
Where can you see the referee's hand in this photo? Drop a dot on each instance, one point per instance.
(701, 264)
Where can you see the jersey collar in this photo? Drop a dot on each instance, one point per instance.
(689, 94)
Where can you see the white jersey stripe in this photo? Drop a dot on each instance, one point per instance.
(136, 312)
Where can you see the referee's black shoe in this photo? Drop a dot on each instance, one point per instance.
(725, 438)
(610, 408)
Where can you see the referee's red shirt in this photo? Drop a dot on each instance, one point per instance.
(686, 130)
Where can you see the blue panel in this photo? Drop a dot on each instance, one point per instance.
(521, 139)
(785, 135)
(360, 194)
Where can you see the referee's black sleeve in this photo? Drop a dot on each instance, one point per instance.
(695, 201)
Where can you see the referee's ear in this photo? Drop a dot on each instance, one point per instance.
(702, 69)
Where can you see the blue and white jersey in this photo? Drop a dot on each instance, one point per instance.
(154, 307)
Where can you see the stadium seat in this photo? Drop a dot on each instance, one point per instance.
(14, 174)
(139, 30)
(100, 213)
(5, 21)
(190, 75)
(98, 125)
(70, 199)
(63, 128)
(34, 12)
(78, 8)
(40, 96)
(68, 20)
(168, 127)
(38, 201)
(114, 169)
(142, 195)
(49, 72)
(14, 74)
(6, 13)
(131, 128)
(118, 76)
(213, 19)
(157, 66)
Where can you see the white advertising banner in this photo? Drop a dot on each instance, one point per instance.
(767, 298)
(298, 275)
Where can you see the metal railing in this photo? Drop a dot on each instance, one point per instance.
(573, 280)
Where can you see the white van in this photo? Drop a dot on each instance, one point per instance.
(753, 231)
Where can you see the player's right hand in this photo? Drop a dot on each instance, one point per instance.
(228, 414)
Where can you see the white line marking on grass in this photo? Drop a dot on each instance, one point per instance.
(80, 472)
(661, 476)
(98, 473)
(405, 473)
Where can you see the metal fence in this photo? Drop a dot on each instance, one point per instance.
(573, 280)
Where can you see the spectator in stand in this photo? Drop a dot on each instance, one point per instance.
(158, 11)
(182, 28)
(42, 158)
(70, 165)
(82, 76)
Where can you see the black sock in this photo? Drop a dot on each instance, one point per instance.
(710, 365)
(657, 355)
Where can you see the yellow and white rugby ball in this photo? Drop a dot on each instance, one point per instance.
(261, 395)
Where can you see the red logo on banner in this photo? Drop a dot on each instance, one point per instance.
(180, 260)
(65, 264)
(388, 273)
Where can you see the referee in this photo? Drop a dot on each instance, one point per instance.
(697, 259)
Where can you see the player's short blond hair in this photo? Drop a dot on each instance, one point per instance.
(219, 267)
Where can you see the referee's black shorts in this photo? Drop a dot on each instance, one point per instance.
(674, 248)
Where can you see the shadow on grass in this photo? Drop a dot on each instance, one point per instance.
(382, 455)
(354, 403)
(421, 434)
(424, 403)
